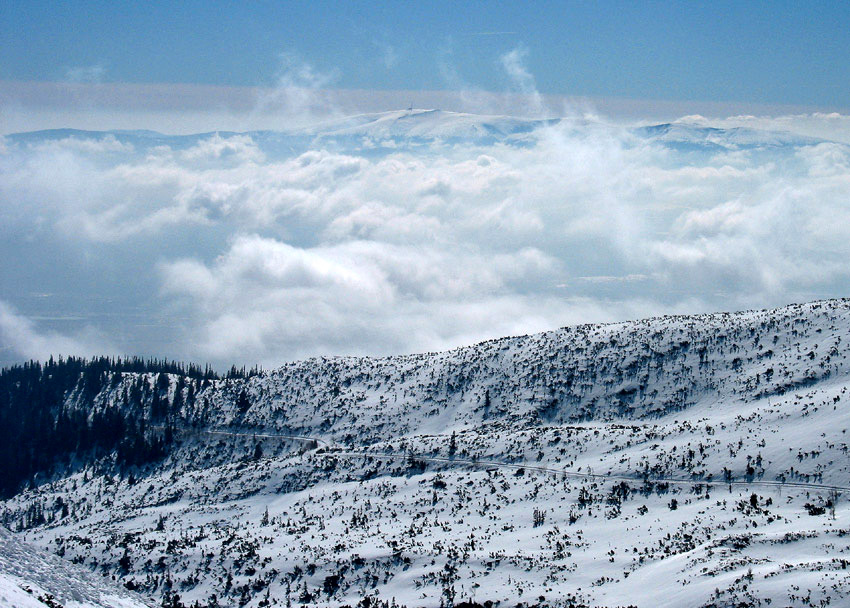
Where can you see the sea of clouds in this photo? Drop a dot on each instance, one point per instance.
(223, 250)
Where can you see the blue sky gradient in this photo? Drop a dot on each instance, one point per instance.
(756, 52)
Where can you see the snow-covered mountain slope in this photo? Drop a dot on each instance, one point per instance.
(31, 578)
(428, 124)
(676, 461)
(737, 137)
(400, 128)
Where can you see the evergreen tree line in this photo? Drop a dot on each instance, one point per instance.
(48, 416)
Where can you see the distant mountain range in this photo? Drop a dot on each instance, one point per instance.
(388, 129)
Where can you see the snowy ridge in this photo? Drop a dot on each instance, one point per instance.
(624, 371)
(421, 126)
(429, 124)
(683, 133)
(676, 461)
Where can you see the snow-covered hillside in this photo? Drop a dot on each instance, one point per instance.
(675, 461)
(30, 578)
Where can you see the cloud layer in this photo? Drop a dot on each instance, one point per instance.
(244, 248)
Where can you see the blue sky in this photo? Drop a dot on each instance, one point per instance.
(754, 52)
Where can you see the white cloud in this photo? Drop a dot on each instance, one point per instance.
(237, 148)
(86, 145)
(253, 252)
(21, 340)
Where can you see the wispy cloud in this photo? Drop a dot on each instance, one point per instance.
(86, 73)
(388, 54)
(514, 64)
(299, 94)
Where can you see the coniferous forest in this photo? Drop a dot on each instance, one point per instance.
(42, 430)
